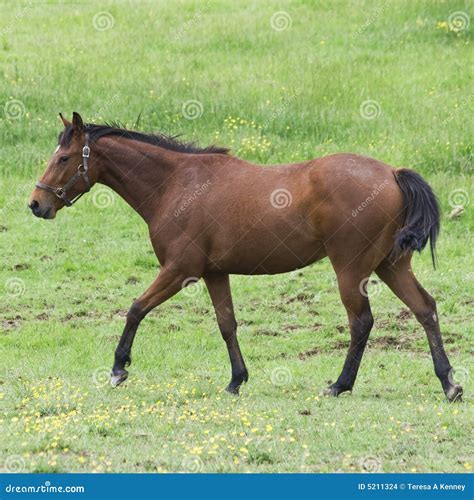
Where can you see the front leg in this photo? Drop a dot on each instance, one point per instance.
(219, 290)
(167, 284)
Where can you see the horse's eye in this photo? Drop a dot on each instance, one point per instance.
(63, 159)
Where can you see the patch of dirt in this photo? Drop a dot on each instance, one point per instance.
(404, 315)
(68, 317)
(340, 344)
(268, 333)
(451, 338)
(289, 328)
(79, 315)
(175, 306)
(132, 280)
(280, 308)
(11, 323)
(201, 312)
(308, 354)
(42, 317)
(340, 328)
(390, 341)
(120, 313)
(245, 323)
(45, 258)
(382, 323)
(113, 337)
(21, 267)
(301, 297)
(304, 412)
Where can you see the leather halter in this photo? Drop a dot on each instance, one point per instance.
(61, 192)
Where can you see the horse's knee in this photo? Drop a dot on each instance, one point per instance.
(362, 323)
(366, 319)
(228, 329)
(425, 311)
(135, 313)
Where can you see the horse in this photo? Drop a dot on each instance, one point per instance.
(211, 214)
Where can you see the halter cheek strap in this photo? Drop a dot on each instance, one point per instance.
(61, 192)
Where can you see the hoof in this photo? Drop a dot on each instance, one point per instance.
(117, 378)
(232, 390)
(333, 391)
(236, 382)
(454, 393)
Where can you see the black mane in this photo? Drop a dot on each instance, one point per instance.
(162, 140)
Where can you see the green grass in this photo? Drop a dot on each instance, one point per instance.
(274, 96)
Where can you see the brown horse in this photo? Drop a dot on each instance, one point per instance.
(210, 215)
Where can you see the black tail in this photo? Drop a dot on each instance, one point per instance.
(421, 214)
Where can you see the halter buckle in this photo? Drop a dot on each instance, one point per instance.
(86, 151)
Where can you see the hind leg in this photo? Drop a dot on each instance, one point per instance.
(401, 280)
(360, 323)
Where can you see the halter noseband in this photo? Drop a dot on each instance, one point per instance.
(61, 192)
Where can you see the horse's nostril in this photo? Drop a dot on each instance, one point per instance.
(34, 205)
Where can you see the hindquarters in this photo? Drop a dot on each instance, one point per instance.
(360, 208)
(368, 204)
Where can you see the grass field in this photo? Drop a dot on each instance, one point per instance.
(278, 82)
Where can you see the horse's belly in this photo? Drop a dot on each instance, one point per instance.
(269, 255)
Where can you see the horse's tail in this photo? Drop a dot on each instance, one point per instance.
(422, 215)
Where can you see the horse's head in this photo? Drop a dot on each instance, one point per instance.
(67, 176)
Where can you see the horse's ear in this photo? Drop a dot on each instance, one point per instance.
(77, 124)
(65, 122)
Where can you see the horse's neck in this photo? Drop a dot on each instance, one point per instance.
(137, 173)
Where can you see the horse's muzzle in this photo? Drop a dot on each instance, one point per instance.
(38, 211)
